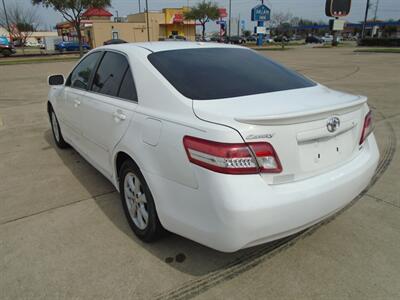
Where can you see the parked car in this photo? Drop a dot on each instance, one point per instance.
(312, 39)
(251, 38)
(228, 154)
(280, 39)
(176, 38)
(70, 46)
(329, 38)
(32, 43)
(6, 47)
(237, 40)
(114, 42)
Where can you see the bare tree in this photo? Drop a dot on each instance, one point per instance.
(279, 18)
(22, 22)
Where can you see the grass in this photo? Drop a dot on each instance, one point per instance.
(379, 50)
(271, 48)
(36, 60)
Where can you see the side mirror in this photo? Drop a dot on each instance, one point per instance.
(56, 80)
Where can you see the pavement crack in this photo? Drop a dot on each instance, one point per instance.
(382, 200)
(55, 208)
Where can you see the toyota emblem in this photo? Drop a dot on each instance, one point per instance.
(333, 124)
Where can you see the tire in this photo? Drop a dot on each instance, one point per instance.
(6, 52)
(57, 135)
(138, 203)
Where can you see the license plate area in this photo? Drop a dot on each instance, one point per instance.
(325, 152)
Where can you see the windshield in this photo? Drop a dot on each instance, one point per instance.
(216, 73)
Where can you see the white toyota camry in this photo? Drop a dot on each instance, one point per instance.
(214, 142)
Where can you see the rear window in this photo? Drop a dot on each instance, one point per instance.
(215, 73)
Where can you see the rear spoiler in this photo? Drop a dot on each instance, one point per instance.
(304, 116)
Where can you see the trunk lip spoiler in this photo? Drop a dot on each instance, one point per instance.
(289, 118)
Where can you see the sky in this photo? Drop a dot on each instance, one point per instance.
(308, 9)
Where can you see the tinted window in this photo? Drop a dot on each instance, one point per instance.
(214, 73)
(127, 89)
(81, 75)
(108, 77)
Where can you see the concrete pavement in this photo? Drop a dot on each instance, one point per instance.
(63, 233)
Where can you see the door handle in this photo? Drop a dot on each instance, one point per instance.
(119, 116)
(77, 103)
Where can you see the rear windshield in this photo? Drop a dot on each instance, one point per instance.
(215, 73)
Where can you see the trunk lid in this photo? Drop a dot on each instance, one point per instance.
(295, 123)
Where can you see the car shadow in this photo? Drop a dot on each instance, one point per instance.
(180, 253)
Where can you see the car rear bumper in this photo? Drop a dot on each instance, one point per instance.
(230, 212)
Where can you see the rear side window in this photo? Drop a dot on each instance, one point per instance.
(110, 73)
(80, 76)
(127, 89)
(215, 73)
(108, 77)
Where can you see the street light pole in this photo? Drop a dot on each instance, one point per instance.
(365, 20)
(139, 6)
(230, 16)
(147, 21)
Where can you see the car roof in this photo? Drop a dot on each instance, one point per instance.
(167, 46)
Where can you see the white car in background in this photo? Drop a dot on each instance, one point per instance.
(329, 39)
(214, 142)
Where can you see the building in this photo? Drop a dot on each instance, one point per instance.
(31, 37)
(97, 26)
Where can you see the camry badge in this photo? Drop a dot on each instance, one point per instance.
(260, 136)
(333, 124)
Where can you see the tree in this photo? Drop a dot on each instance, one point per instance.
(247, 33)
(203, 12)
(22, 22)
(72, 11)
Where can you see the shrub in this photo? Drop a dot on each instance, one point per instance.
(384, 42)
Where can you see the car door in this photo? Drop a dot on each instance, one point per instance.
(109, 106)
(74, 93)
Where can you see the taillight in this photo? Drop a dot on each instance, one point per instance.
(250, 158)
(367, 128)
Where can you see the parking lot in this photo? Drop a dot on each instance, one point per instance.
(63, 233)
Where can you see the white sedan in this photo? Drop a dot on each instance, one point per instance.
(214, 142)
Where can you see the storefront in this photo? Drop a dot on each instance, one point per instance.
(97, 26)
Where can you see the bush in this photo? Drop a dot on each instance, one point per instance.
(385, 42)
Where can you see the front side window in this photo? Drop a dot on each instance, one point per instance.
(216, 73)
(80, 76)
(110, 73)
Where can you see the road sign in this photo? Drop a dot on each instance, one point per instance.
(221, 22)
(336, 25)
(337, 8)
(260, 30)
(261, 13)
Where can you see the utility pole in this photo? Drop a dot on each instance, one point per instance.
(139, 7)
(147, 21)
(365, 20)
(230, 16)
(376, 10)
(239, 26)
(5, 14)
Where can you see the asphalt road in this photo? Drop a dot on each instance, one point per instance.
(63, 233)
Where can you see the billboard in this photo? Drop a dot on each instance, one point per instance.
(337, 8)
(222, 12)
